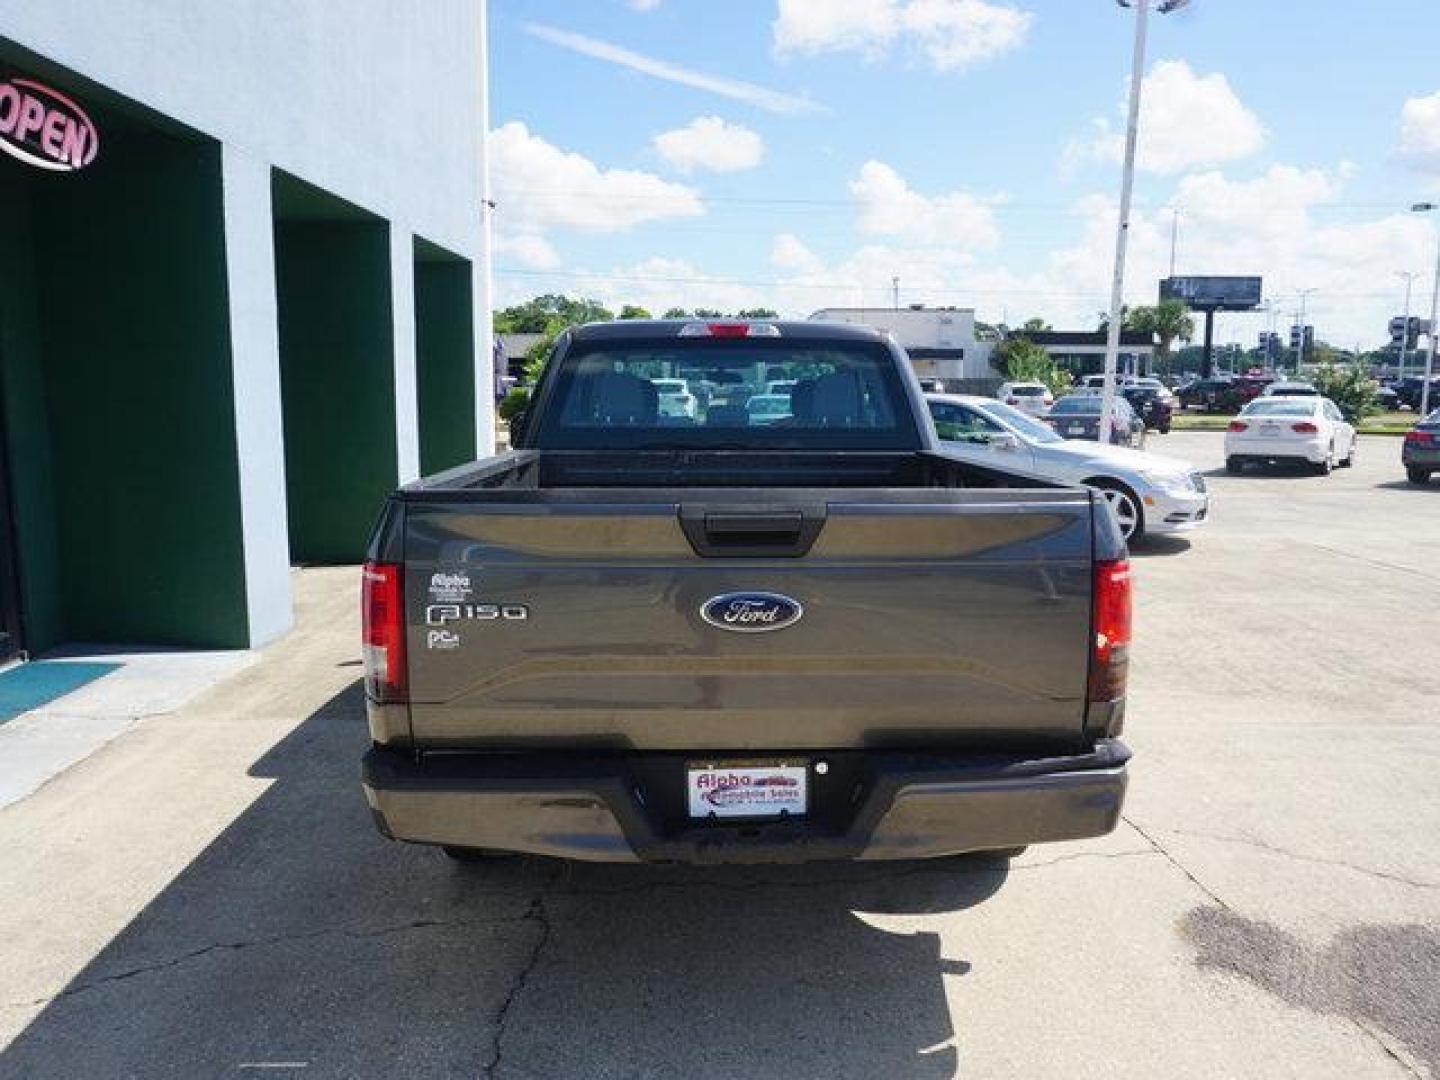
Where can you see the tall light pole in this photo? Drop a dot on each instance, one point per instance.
(1409, 277)
(1300, 350)
(1425, 208)
(1127, 183)
(485, 281)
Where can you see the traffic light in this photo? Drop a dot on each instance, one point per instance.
(1418, 328)
(1295, 337)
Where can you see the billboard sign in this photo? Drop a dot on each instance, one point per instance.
(44, 128)
(1215, 293)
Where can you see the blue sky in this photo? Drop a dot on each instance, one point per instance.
(968, 147)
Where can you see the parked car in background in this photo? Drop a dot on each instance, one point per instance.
(1157, 385)
(1097, 382)
(1077, 416)
(1152, 404)
(765, 409)
(1208, 395)
(1387, 398)
(1290, 389)
(1150, 493)
(1408, 390)
(1420, 452)
(1306, 429)
(675, 398)
(1029, 397)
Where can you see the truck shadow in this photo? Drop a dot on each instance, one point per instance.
(301, 941)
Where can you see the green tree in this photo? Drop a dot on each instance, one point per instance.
(544, 313)
(676, 313)
(1348, 385)
(757, 313)
(708, 313)
(1035, 326)
(631, 311)
(1020, 360)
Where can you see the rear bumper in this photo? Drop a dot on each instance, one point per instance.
(1278, 449)
(603, 808)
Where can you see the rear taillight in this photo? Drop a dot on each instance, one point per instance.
(382, 615)
(1419, 438)
(1110, 614)
(1304, 427)
(1237, 425)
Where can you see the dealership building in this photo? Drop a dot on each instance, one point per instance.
(240, 300)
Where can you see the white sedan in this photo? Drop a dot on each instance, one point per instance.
(1150, 493)
(1034, 398)
(1291, 429)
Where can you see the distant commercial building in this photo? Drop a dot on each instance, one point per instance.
(941, 342)
(1082, 352)
(238, 300)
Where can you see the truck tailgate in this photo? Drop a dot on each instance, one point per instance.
(930, 618)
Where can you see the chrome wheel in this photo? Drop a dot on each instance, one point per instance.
(1127, 510)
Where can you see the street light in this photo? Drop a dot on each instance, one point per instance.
(1409, 277)
(1425, 208)
(1300, 349)
(1127, 183)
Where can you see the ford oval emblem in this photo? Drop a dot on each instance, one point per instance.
(751, 612)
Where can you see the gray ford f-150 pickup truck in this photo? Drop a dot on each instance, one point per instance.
(674, 625)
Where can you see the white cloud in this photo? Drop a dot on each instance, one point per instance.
(530, 250)
(950, 34)
(643, 5)
(540, 187)
(1186, 120)
(710, 143)
(789, 253)
(889, 207)
(1420, 133)
(759, 96)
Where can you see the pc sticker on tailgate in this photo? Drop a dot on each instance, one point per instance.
(748, 790)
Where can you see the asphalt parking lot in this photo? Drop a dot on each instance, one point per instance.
(206, 896)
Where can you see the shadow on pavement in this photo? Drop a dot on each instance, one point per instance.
(300, 941)
(1152, 546)
(1406, 485)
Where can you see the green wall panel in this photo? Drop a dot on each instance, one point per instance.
(445, 364)
(137, 370)
(338, 383)
(25, 424)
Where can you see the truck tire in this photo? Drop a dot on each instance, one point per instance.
(1417, 475)
(1234, 466)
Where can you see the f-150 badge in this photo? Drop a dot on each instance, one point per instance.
(440, 614)
(751, 612)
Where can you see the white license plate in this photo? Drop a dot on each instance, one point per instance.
(1270, 431)
(1075, 430)
(747, 789)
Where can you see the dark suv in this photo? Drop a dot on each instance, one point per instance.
(1151, 405)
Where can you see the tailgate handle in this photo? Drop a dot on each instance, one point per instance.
(783, 534)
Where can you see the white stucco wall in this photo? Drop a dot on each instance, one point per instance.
(376, 101)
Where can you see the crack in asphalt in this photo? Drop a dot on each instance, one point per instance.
(1211, 893)
(536, 913)
(1263, 846)
(274, 939)
(1375, 563)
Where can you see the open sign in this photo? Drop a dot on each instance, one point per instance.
(44, 128)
